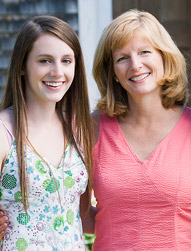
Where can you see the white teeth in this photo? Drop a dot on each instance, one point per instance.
(140, 77)
(53, 84)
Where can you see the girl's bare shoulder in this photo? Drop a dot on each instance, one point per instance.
(7, 117)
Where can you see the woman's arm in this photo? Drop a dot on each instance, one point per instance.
(3, 224)
(87, 214)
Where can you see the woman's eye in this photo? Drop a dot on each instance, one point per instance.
(145, 52)
(121, 59)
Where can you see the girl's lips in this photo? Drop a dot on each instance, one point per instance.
(53, 83)
(140, 77)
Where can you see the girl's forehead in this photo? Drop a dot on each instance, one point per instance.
(49, 43)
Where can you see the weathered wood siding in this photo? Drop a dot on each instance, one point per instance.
(14, 12)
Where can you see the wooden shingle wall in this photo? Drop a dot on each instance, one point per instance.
(14, 12)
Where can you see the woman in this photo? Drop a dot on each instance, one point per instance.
(142, 167)
(143, 143)
(44, 124)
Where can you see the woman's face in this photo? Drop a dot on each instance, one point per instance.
(139, 67)
(50, 70)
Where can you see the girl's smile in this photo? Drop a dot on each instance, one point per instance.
(49, 69)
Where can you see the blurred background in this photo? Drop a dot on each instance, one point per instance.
(88, 18)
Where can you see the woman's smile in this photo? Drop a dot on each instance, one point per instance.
(139, 77)
(138, 66)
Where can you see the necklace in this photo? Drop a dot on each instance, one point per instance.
(41, 157)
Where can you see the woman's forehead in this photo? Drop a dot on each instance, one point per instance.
(120, 42)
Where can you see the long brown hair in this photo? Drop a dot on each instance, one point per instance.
(77, 123)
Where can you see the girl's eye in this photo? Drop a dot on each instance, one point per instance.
(45, 61)
(67, 61)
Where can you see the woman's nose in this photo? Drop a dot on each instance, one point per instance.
(135, 63)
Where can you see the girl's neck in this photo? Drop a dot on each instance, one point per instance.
(38, 114)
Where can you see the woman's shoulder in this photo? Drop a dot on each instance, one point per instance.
(96, 116)
(187, 109)
(101, 118)
(96, 120)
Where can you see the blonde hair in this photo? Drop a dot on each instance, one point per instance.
(114, 98)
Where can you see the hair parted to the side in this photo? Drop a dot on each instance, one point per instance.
(75, 102)
(114, 98)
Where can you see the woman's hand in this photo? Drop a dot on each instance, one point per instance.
(3, 224)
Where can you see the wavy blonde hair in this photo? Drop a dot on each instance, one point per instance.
(114, 98)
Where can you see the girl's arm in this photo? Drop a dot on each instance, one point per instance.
(4, 150)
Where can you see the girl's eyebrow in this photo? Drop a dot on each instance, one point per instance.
(44, 55)
(49, 55)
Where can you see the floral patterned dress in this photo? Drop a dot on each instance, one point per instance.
(53, 222)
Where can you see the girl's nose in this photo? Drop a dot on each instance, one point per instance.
(56, 70)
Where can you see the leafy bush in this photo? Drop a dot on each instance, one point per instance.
(89, 240)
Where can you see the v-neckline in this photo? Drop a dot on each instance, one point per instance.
(172, 131)
(44, 159)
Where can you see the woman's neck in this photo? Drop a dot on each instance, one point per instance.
(148, 111)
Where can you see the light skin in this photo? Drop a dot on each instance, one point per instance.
(50, 62)
(50, 69)
(49, 73)
(139, 67)
(3, 224)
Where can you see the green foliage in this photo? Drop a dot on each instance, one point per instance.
(89, 240)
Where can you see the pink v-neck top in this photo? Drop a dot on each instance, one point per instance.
(143, 205)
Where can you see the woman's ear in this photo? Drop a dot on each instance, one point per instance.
(116, 79)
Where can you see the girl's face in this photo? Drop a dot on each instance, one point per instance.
(138, 67)
(50, 70)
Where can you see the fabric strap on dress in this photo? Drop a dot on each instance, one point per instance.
(10, 136)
